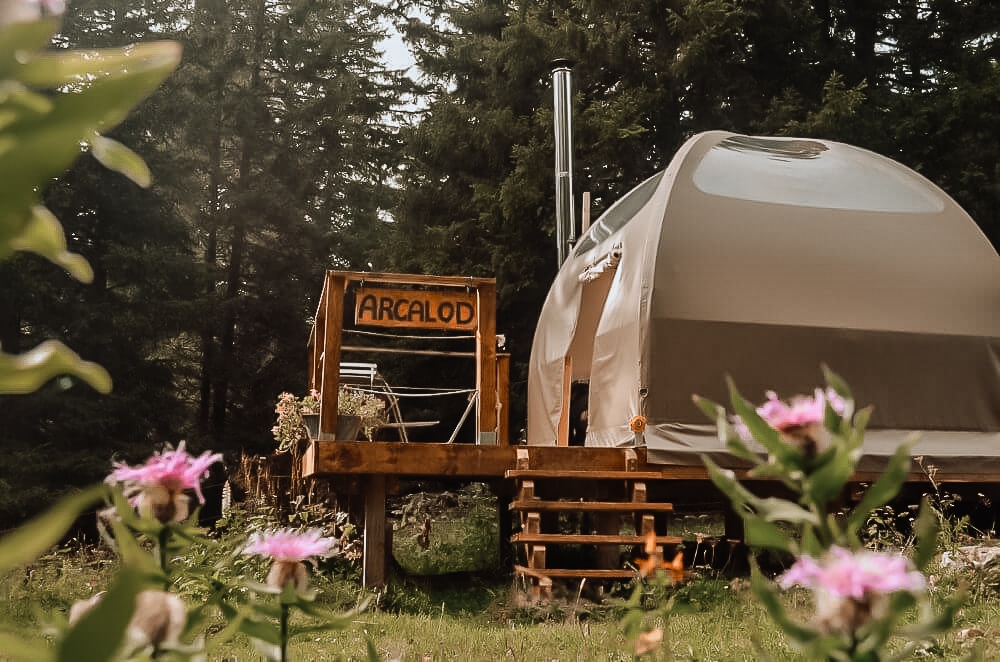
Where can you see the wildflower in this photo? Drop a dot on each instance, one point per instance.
(648, 642)
(158, 619)
(851, 588)
(23, 11)
(288, 548)
(654, 561)
(160, 483)
(800, 420)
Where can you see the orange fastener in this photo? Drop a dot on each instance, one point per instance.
(637, 424)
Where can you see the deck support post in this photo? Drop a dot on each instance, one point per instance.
(375, 552)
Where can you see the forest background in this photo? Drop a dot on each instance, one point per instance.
(285, 145)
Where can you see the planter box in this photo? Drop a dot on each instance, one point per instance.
(348, 427)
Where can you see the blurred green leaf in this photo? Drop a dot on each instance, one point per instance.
(117, 157)
(43, 235)
(49, 69)
(263, 630)
(837, 383)
(774, 509)
(926, 530)
(827, 481)
(24, 373)
(26, 543)
(18, 38)
(712, 410)
(766, 535)
(784, 454)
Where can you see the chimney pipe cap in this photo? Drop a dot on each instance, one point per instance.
(562, 63)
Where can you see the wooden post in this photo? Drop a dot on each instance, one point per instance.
(505, 521)
(503, 399)
(375, 554)
(486, 364)
(333, 314)
(563, 431)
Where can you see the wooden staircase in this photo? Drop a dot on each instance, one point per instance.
(608, 495)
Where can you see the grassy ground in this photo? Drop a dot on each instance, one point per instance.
(480, 620)
(468, 609)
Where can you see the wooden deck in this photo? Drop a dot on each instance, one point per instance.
(375, 466)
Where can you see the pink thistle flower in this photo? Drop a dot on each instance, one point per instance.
(801, 411)
(853, 575)
(291, 545)
(851, 588)
(163, 479)
(288, 549)
(800, 420)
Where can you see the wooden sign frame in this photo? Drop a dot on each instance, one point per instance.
(325, 342)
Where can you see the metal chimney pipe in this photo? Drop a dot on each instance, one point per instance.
(562, 90)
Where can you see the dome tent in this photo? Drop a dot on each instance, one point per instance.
(762, 259)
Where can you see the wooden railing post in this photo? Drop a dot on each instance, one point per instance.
(333, 313)
(486, 368)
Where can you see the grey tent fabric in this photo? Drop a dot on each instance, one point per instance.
(762, 259)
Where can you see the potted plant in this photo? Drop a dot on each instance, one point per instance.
(366, 406)
(298, 418)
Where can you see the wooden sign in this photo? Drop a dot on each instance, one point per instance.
(418, 309)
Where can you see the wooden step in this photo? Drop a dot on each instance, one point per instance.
(583, 474)
(573, 572)
(591, 506)
(589, 539)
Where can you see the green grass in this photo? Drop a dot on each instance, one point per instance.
(478, 619)
(468, 609)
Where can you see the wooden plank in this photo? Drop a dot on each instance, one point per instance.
(403, 459)
(590, 506)
(533, 573)
(568, 573)
(375, 551)
(583, 474)
(588, 539)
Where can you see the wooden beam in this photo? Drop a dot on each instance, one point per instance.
(416, 459)
(589, 539)
(469, 460)
(503, 399)
(375, 551)
(486, 363)
(333, 313)
(412, 279)
(562, 432)
(400, 350)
